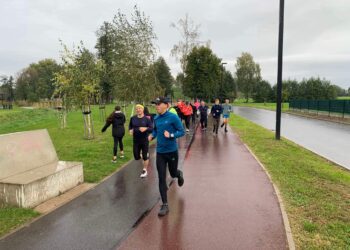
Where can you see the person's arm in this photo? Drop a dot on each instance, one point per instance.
(149, 125)
(179, 129)
(154, 133)
(131, 127)
(106, 126)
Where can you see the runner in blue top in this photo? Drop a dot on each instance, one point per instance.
(227, 109)
(167, 127)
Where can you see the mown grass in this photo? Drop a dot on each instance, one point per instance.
(70, 145)
(316, 192)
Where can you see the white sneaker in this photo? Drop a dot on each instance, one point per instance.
(144, 173)
(187, 130)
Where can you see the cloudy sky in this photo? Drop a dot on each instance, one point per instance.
(317, 32)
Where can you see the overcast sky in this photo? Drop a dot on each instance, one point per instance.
(317, 32)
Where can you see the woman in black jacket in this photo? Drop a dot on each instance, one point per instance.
(117, 119)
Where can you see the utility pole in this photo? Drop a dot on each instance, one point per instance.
(279, 72)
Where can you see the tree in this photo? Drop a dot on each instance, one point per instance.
(133, 57)
(164, 76)
(37, 81)
(227, 89)
(247, 74)
(7, 88)
(105, 52)
(190, 35)
(202, 74)
(78, 82)
(262, 91)
(179, 80)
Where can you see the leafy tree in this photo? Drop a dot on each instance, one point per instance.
(202, 74)
(37, 80)
(133, 57)
(262, 91)
(228, 88)
(164, 76)
(190, 35)
(105, 52)
(247, 74)
(179, 80)
(7, 88)
(78, 82)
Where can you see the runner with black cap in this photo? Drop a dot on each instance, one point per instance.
(167, 127)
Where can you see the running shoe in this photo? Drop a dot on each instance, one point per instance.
(114, 160)
(187, 130)
(121, 156)
(144, 173)
(180, 179)
(164, 209)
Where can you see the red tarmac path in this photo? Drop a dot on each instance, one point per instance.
(227, 202)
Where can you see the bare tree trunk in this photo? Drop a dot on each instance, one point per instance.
(88, 124)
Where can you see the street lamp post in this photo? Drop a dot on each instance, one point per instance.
(279, 72)
(222, 77)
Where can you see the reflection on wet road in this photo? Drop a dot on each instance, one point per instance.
(328, 139)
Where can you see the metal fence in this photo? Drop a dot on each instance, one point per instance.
(339, 107)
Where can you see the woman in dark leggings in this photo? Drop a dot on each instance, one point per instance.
(117, 119)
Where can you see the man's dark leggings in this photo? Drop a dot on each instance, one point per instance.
(216, 122)
(116, 141)
(204, 122)
(162, 160)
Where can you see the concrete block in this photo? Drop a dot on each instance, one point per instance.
(33, 174)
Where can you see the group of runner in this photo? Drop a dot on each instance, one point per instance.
(166, 126)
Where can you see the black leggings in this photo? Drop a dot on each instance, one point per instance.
(162, 160)
(141, 146)
(187, 121)
(216, 123)
(116, 141)
(204, 122)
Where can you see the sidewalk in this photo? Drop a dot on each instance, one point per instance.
(227, 202)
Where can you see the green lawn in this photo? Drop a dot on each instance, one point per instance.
(316, 193)
(269, 106)
(70, 145)
(343, 98)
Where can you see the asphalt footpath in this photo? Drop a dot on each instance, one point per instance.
(226, 202)
(100, 218)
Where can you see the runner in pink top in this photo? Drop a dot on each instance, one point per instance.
(197, 104)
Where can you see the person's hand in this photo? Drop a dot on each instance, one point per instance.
(131, 132)
(150, 138)
(143, 129)
(166, 134)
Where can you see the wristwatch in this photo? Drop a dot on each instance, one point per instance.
(172, 135)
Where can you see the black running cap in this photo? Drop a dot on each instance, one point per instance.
(161, 99)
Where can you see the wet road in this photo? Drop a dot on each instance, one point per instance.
(328, 139)
(99, 219)
(227, 202)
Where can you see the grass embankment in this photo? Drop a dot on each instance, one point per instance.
(70, 145)
(268, 106)
(316, 193)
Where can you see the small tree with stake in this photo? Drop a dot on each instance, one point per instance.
(78, 82)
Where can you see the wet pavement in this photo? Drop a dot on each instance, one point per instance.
(328, 139)
(99, 219)
(227, 202)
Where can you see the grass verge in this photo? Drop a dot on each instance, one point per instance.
(316, 192)
(268, 106)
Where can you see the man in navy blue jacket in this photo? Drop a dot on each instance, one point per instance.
(167, 127)
(216, 112)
